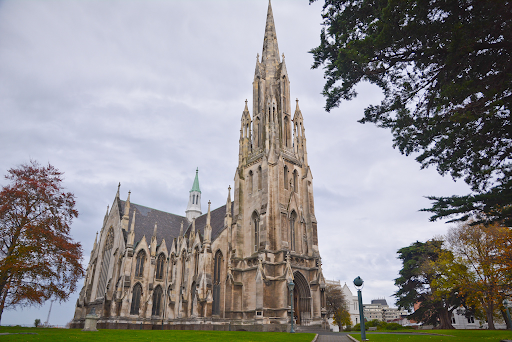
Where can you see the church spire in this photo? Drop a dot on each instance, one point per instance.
(270, 54)
(194, 201)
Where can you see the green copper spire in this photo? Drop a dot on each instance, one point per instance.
(195, 186)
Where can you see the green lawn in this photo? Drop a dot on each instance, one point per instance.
(440, 335)
(56, 335)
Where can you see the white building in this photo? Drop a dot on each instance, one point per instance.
(379, 309)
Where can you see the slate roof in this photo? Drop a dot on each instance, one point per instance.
(168, 225)
(216, 221)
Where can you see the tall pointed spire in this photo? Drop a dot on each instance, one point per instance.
(270, 54)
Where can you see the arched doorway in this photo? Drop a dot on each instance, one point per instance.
(301, 299)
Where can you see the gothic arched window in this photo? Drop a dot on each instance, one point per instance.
(260, 178)
(172, 265)
(250, 181)
(295, 181)
(183, 269)
(196, 261)
(157, 301)
(286, 131)
(105, 263)
(293, 218)
(255, 222)
(160, 262)
(216, 282)
(137, 291)
(285, 177)
(139, 263)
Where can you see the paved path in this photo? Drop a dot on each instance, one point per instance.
(333, 338)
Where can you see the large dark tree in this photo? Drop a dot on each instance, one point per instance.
(445, 68)
(38, 258)
(417, 288)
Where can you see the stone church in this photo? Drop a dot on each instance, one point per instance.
(228, 268)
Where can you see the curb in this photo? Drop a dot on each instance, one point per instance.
(315, 338)
(351, 338)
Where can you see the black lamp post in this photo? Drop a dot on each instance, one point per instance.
(291, 285)
(358, 282)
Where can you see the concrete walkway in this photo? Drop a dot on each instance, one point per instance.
(333, 338)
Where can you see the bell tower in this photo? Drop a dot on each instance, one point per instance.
(273, 193)
(194, 201)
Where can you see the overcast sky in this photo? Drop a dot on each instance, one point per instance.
(143, 92)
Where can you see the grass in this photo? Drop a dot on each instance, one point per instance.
(76, 335)
(439, 335)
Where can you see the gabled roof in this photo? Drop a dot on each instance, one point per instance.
(216, 221)
(168, 225)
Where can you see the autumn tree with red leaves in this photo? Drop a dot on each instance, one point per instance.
(38, 258)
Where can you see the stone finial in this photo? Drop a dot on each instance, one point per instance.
(118, 189)
(154, 230)
(208, 216)
(181, 229)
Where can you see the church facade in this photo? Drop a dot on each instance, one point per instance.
(229, 268)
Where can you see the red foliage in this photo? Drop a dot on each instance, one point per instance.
(38, 258)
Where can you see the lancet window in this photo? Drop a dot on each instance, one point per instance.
(139, 263)
(160, 263)
(157, 301)
(285, 177)
(250, 181)
(137, 291)
(260, 178)
(293, 219)
(295, 181)
(256, 224)
(216, 282)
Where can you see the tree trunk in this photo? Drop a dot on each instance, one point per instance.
(490, 319)
(445, 319)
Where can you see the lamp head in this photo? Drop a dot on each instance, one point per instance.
(358, 282)
(291, 285)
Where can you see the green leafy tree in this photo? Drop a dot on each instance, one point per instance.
(38, 258)
(445, 68)
(417, 288)
(37, 322)
(478, 265)
(342, 318)
(336, 305)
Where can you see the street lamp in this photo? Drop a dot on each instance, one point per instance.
(507, 304)
(358, 282)
(291, 285)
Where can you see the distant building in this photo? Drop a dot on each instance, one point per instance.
(379, 310)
